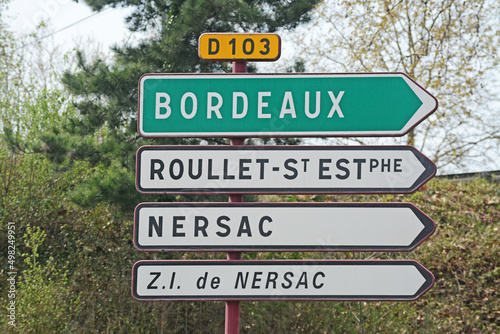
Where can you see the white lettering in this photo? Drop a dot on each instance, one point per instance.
(163, 105)
(318, 105)
(336, 101)
(261, 104)
(288, 100)
(236, 95)
(183, 105)
(215, 108)
(159, 105)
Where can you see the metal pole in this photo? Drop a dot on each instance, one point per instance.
(233, 307)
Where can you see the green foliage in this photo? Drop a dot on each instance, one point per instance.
(43, 286)
(27, 127)
(77, 277)
(76, 272)
(30, 192)
(82, 258)
(110, 185)
(34, 198)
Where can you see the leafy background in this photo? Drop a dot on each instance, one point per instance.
(67, 160)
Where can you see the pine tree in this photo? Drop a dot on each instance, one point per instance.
(106, 93)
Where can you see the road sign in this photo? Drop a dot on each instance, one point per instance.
(293, 105)
(281, 169)
(280, 227)
(235, 46)
(280, 280)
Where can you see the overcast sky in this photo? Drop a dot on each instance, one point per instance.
(69, 20)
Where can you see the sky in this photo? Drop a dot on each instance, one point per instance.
(73, 22)
(70, 21)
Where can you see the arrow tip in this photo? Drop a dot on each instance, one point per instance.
(429, 104)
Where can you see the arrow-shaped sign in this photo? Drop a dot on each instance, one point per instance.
(280, 280)
(280, 227)
(281, 169)
(292, 105)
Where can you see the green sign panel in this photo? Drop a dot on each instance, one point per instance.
(292, 105)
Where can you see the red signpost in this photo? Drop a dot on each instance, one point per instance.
(233, 307)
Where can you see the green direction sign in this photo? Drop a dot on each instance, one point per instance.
(292, 105)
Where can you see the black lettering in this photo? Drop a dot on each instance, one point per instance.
(397, 165)
(266, 46)
(190, 169)
(224, 226)
(256, 279)
(171, 169)
(302, 281)
(210, 176)
(158, 226)
(359, 162)
(248, 51)
(285, 277)
(386, 165)
(291, 169)
(239, 278)
(244, 227)
(262, 162)
(373, 164)
(200, 228)
(232, 42)
(261, 227)
(315, 285)
(323, 168)
(342, 168)
(305, 161)
(226, 175)
(156, 171)
(172, 281)
(244, 169)
(215, 282)
(211, 42)
(176, 226)
(202, 281)
(271, 280)
(150, 285)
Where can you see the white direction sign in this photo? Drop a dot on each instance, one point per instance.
(281, 169)
(280, 280)
(280, 227)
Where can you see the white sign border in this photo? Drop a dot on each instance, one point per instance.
(429, 106)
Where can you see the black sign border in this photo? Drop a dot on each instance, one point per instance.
(429, 172)
(428, 230)
(237, 59)
(428, 276)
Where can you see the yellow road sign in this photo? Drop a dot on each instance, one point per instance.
(235, 46)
